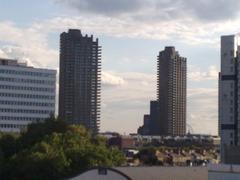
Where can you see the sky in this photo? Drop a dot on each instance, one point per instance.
(131, 33)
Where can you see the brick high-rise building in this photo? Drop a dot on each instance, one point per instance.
(80, 79)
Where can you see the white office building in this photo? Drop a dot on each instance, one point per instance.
(27, 95)
(229, 96)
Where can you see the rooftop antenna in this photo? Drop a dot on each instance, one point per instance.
(189, 129)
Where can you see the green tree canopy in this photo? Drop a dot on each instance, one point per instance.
(53, 150)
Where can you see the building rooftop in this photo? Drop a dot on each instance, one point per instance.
(16, 63)
(149, 173)
(11, 62)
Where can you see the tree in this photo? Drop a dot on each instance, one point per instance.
(1, 161)
(148, 156)
(9, 144)
(49, 151)
(37, 131)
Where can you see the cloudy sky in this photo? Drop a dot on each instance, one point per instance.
(131, 33)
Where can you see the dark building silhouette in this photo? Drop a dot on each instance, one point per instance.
(145, 129)
(168, 112)
(80, 83)
(155, 124)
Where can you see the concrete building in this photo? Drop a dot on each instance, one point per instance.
(80, 73)
(171, 92)
(223, 172)
(229, 104)
(168, 112)
(27, 95)
(145, 128)
(153, 124)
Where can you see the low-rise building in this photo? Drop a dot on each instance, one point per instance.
(122, 142)
(27, 95)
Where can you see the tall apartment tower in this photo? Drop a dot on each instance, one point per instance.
(80, 83)
(229, 104)
(171, 92)
(168, 113)
(27, 95)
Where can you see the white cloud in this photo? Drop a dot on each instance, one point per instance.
(187, 30)
(196, 75)
(158, 9)
(189, 21)
(3, 54)
(202, 110)
(125, 105)
(108, 79)
(27, 44)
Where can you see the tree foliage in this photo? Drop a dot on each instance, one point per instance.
(53, 150)
(148, 156)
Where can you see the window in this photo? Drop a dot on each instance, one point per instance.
(28, 73)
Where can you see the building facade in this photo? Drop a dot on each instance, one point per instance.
(27, 95)
(171, 92)
(80, 79)
(168, 112)
(229, 105)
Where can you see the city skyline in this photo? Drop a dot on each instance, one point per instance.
(129, 46)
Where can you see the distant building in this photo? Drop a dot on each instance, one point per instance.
(80, 79)
(108, 134)
(171, 91)
(122, 142)
(168, 112)
(229, 104)
(27, 95)
(145, 129)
